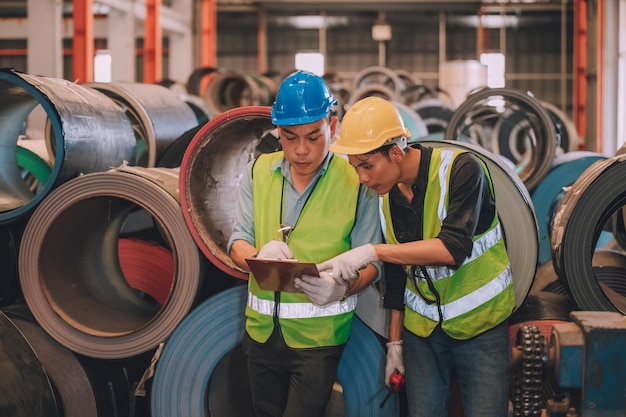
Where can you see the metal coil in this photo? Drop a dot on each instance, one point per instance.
(211, 171)
(70, 272)
(580, 217)
(71, 384)
(157, 114)
(87, 133)
(183, 380)
(26, 389)
(565, 170)
(527, 121)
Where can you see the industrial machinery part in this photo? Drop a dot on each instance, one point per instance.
(527, 372)
(587, 364)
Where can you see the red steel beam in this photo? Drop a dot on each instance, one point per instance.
(152, 43)
(208, 33)
(82, 45)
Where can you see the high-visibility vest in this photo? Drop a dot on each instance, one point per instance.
(473, 298)
(321, 232)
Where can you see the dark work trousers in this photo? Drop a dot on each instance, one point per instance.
(287, 382)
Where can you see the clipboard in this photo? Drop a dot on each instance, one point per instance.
(278, 274)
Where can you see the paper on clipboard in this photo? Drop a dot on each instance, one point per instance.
(278, 274)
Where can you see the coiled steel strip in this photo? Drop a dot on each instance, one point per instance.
(70, 272)
(159, 116)
(579, 219)
(498, 104)
(71, 384)
(210, 173)
(26, 389)
(183, 377)
(89, 133)
(565, 170)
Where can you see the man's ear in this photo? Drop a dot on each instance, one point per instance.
(396, 153)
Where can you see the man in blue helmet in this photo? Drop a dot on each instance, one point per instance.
(294, 340)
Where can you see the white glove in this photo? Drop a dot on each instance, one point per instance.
(275, 249)
(346, 265)
(321, 290)
(394, 360)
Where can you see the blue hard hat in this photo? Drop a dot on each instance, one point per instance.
(302, 97)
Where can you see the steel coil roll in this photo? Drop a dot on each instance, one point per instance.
(71, 275)
(522, 117)
(26, 389)
(183, 377)
(158, 115)
(210, 173)
(71, 384)
(412, 121)
(565, 170)
(579, 219)
(88, 133)
(517, 216)
(435, 113)
(10, 235)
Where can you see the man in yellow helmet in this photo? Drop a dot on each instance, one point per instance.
(447, 275)
(294, 340)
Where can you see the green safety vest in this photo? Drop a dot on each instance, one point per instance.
(322, 232)
(476, 296)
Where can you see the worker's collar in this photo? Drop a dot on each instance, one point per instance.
(284, 166)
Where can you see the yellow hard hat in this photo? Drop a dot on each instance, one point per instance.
(367, 125)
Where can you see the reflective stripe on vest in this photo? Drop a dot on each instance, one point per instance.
(301, 310)
(480, 246)
(461, 305)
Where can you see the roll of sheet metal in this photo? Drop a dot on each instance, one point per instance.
(69, 266)
(435, 113)
(183, 377)
(380, 76)
(26, 389)
(158, 116)
(538, 128)
(569, 139)
(211, 171)
(373, 90)
(565, 170)
(71, 385)
(371, 312)
(147, 267)
(89, 133)
(231, 89)
(578, 221)
(412, 121)
(10, 235)
(517, 216)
